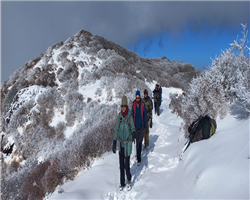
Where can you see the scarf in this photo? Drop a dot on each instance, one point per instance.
(125, 113)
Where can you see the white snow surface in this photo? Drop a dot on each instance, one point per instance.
(217, 168)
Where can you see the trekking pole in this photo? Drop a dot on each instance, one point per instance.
(135, 163)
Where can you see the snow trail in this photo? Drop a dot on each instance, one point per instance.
(217, 168)
(155, 161)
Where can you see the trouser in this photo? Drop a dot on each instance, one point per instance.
(146, 135)
(157, 108)
(124, 166)
(139, 138)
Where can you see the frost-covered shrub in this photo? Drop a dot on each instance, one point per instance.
(3, 169)
(203, 98)
(93, 59)
(32, 187)
(74, 107)
(52, 177)
(46, 58)
(69, 157)
(14, 77)
(62, 57)
(104, 72)
(175, 83)
(93, 49)
(8, 99)
(89, 141)
(49, 67)
(105, 54)
(34, 138)
(69, 86)
(50, 132)
(30, 64)
(11, 185)
(21, 116)
(225, 81)
(187, 67)
(98, 92)
(115, 63)
(70, 72)
(175, 104)
(13, 167)
(50, 99)
(60, 128)
(86, 77)
(46, 79)
(164, 82)
(41, 116)
(4, 141)
(127, 85)
(55, 46)
(33, 75)
(68, 46)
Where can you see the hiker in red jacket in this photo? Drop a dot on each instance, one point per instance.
(139, 114)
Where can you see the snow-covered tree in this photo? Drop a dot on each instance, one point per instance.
(224, 82)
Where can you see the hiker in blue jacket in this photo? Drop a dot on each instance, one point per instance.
(139, 114)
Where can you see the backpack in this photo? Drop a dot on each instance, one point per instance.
(126, 122)
(203, 128)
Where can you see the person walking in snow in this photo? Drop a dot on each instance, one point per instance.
(124, 134)
(139, 114)
(157, 99)
(160, 91)
(149, 106)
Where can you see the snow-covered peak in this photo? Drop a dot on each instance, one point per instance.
(71, 94)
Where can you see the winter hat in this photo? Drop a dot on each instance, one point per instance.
(138, 93)
(124, 101)
(145, 91)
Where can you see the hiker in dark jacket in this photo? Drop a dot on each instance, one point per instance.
(160, 91)
(157, 100)
(139, 114)
(124, 134)
(149, 106)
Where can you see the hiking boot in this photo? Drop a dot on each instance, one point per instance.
(121, 187)
(129, 186)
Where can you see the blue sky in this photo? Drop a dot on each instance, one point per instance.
(192, 31)
(196, 48)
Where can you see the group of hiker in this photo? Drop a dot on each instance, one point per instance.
(132, 126)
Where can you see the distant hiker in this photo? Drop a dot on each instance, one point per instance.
(149, 106)
(124, 134)
(157, 99)
(139, 114)
(160, 90)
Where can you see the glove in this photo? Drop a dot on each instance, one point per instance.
(114, 146)
(133, 136)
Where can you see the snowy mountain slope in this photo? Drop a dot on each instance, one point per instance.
(91, 69)
(217, 168)
(65, 97)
